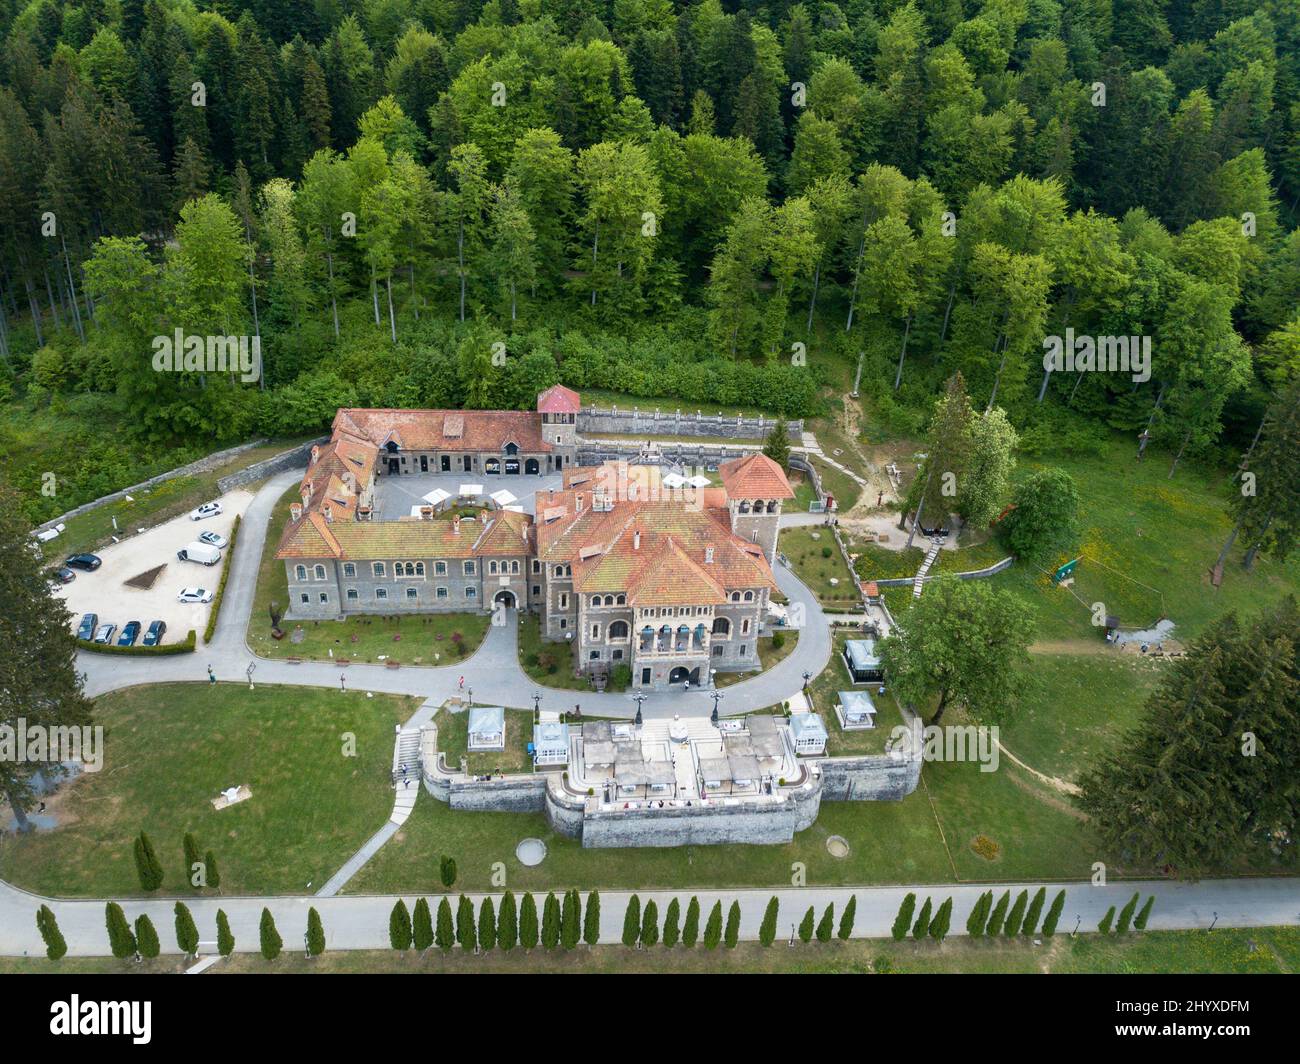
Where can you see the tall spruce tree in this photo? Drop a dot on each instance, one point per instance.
(767, 930)
(713, 927)
(1053, 914)
(487, 924)
(846, 918)
(672, 923)
(731, 935)
(528, 922)
(466, 931)
(444, 934)
(591, 919)
(146, 937)
(903, 921)
(508, 923)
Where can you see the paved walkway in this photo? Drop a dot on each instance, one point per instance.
(361, 922)
(493, 671)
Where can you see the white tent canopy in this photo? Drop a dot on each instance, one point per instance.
(436, 496)
(502, 497)
(698, 481)
(673, 480)
(514, 509)
(471, 490)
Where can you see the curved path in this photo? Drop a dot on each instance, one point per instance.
(493, 671)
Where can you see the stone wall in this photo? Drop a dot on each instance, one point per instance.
(511, 794)
(294, 458)
(594, 452)
(637, 422)
(869, 779)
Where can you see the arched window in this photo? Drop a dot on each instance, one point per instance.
(772, 505)
(749, 596)
(618, 630)
(622, 600)
(419, 568)
(300, 572)
(735, 596)
(721, 626)
(320, 572)
(744, 506)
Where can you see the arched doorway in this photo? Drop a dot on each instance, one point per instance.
(505, 598)
(531, 467)
(681, 674)
(492, 465)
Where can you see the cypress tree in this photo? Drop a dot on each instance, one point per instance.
(806, 926)
(55, 946)
(1126, 915)
(713, 929)
(691, 927)
(903, 921)
(826, 925)
(210, 866)
(999, 915)
(979, 915)
(650, 924)
(922, 925)
(632, 922)
(1140, 924)
(1053, 915)
(225, 940)
(767, 929)
(1104, 925)
(187, 933)
(846, 920)
(316, 931)
(120, 938)
(146, 937)
(1017, 915)
(466, 933)
(270, 937)
(444, 934)
(487, 924)
(421, 925)
(672, 923)
(942, 921)
(399, 926)
(732, 935)
(508, 925)
(146, 864)
(1035, 910)
(190, 846)
(528, 922)
(591, 919)
(551, 921)
(570, 920)
(447, 870)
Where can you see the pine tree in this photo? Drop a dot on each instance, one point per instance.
(528, 922)
(55, 946)
(1126, 915)
(147, 866)
(1053, 915)
(187, 932)
(672, 923)
(732, 935)
(466, 932)
(422, 925)
(1104, 925)
(487, 925)
(1140, 924)
(999, 915)
(551, 921)
(146, 937)
(225, 940)
(120, 938)
(903, 921)
(632, 922)
(508, 925)
(650, 924)
(1035, 910)
(316, 931)
(271, 942)
(807, 926)
(777, 445)
(691, 926)
(826, 925)
(713, 928)
(399, 926)
(846, 920)
(445, 933)
(942, 921)
(570, 920)
(767, 929)
(922, 925)
(210, 866)
(1017, 915)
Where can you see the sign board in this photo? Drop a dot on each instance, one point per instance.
(1065, 570)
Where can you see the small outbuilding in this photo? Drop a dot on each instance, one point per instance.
(808, 733)
(487, 728)
(855, 710)
(863, 660)
(550, 744)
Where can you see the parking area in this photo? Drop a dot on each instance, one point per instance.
(107, 593)
(395, 495)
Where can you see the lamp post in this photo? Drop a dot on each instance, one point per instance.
(537, 706)
(252, 666)
(639, 699)
(717, 697)
(806, 677)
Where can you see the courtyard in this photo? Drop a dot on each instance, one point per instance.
(396, 495)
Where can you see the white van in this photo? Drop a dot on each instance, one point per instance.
(199, 552)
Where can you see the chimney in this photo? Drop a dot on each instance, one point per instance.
(578, 503)
(708, 554)
(329, 514)
(295, 511)
(636, 540)
(455, 526)
(315, 453)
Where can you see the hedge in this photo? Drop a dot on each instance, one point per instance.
(186, 646)
(221, 584)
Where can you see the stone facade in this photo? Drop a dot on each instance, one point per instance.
(612, 421)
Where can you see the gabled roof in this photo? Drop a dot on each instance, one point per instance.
(671, 578)
(558, 399)
(755, 477)
(445, 430)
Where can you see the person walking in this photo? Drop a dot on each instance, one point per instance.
(212, 676)
(462, 683)
(343, 681)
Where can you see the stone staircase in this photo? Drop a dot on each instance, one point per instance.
(918, 582)
(406, 758)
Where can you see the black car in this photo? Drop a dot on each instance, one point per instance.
(88, 562)
(86, 629)
(62, 574)
(130, 633)
(154, 633)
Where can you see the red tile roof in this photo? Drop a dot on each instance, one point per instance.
(755, 477)
(446, 430)
(557, 399)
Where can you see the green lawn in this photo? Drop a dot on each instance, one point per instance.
(769, 653)
(824, 692)
(806, 547)
(453, 741)
(551, 664)
(845, 489)
(169, 749)
(411, 639)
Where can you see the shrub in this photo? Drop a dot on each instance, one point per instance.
(421, 925)
(316, 931)
(672, 923)
(528, 922)
(922, 926)
(271, 942)
(827, 552)
(903, 921)
(445, 934)
(147, 866)
(447, 870)
(767, 929)
(846, 920)
(807, 926)
(1104, 924)
(466, 932)
(487, 924)
(508, 924)
(732, 935)
(146, 937)
(187, 933)
(650, 924)
(220, 592)
(210, 867)
(713, 929)
(826, 925)
(691, 926)
(1126, 915)
(1053, 915)
(1140, 924)
(632, 922)
(55, 946)
(399, 926)
(184, 647)
(778, 641)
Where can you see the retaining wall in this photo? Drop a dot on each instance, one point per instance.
(294, 458)
(879, 778)
(638, 422)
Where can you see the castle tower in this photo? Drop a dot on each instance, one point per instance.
(756, 489)
(559, 407)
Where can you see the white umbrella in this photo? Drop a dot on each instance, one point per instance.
(673, 480)
(471, 490)
(436, 496)
(698, 481)
(514, 509)
(502, 497)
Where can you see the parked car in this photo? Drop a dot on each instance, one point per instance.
(208, 509)
(88, 562)
(130, 633)
(194, 594)
(154, 633)
(105, 633)
(213, 539)
(199, 552)
(86, 629)
(62, 574)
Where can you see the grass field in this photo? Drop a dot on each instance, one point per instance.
(806, 547)
(453, 741)
(824, 692)
(170, 749)
(414, 639)
(1259, 950)
(769, 653)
